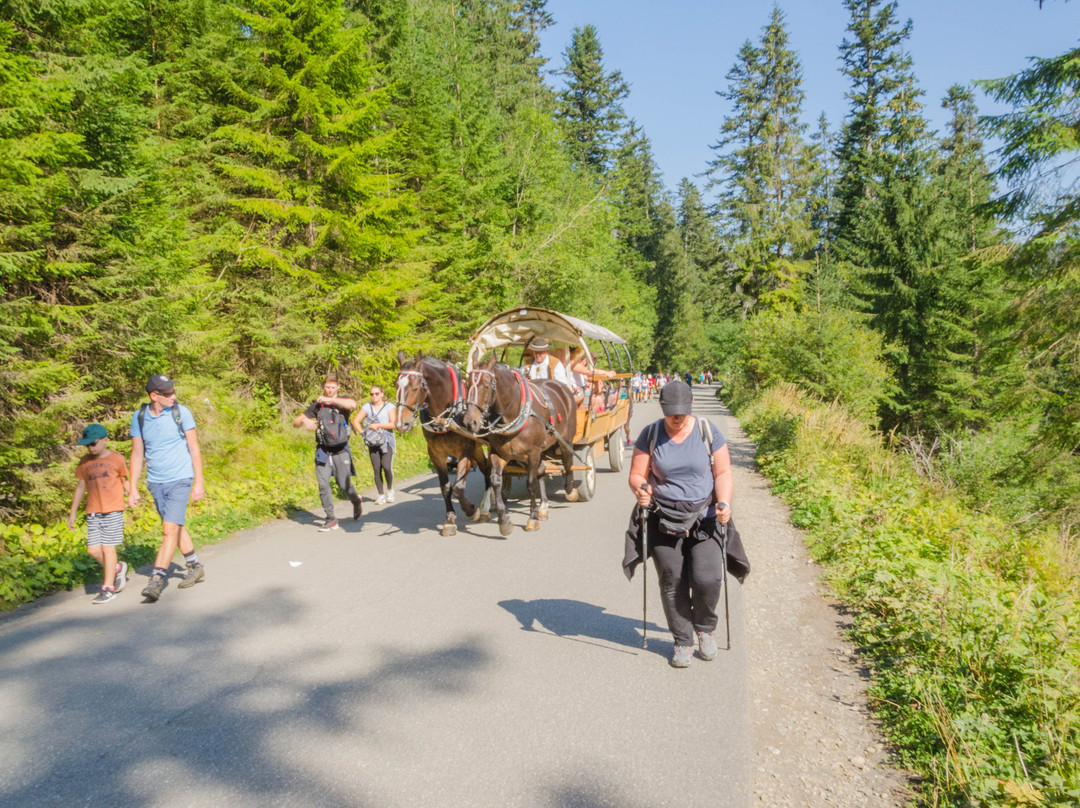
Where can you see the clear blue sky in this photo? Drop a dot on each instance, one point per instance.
(676, 53)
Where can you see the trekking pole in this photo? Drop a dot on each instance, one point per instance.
(644, 573)
(727, 613)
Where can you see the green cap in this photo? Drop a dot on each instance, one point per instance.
(92, 433)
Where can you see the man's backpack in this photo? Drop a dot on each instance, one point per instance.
(175, 416)
(332, 428)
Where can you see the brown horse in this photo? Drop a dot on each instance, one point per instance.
(433, 392)
(522, 421)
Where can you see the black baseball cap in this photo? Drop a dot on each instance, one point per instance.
(159, 383)
(676, 398)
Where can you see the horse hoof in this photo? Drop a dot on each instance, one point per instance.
(449, 530)
(542, 514)
(506, 529)
(478, 516)
(532, 524)
(572, 495)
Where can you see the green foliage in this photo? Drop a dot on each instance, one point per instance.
(968, 625)
(826, 351)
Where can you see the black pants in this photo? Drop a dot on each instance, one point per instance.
(382, 463)
(691, 572)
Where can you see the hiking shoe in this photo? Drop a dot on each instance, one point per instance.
(121, 577)
(390, 495)
(706, 645)
(357, 510)
(104, 596)
(328, 525)
(381, 499)
(154, 588)
(681, 657)
(194, 574)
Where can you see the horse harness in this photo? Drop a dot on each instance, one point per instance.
(528, 393)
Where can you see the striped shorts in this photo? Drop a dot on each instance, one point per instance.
(104, 528)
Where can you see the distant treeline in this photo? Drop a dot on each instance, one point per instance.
(245, 194)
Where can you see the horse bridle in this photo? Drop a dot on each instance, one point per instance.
(440, 423)
(402, 386)
(490, 427)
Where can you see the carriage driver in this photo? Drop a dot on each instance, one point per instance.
(545, 365)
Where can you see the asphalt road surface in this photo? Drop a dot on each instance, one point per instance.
(380, 665)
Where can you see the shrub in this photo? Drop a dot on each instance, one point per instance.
(825, 351)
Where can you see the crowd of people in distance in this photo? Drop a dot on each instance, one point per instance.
(647, 386)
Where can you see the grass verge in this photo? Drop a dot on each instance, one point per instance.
(968, 625)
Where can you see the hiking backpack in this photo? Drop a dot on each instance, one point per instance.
(332, 428)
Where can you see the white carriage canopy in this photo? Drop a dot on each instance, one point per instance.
(522, 325)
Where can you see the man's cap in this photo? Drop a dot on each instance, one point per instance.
(676, 398)
(92, 433)
(540, 344)
(159, 383)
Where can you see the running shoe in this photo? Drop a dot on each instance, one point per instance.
(104, 596)
(121, 576)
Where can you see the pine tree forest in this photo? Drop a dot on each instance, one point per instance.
(247, 194)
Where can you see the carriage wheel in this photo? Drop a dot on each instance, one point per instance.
(615, 451)
(587, 478)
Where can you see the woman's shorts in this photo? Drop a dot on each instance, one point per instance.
(104, 528)
(171, 499)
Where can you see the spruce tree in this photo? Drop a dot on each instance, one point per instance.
(589, 107)
(312, 212)
(763, 169)
(1040, 136)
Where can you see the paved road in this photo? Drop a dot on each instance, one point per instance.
(380, 665)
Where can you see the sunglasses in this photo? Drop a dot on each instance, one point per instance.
(164, 394)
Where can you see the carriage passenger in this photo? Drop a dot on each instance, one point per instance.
(545, 365)
(589, 381)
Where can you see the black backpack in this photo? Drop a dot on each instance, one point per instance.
(332, 428)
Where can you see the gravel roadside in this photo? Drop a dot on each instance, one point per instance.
(813, 741)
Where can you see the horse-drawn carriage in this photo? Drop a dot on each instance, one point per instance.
(603, 414)
(494, 418)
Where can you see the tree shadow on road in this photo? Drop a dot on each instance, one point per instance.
(122, 711)
(574, 619)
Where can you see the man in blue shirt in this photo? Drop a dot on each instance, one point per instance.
(163, 433)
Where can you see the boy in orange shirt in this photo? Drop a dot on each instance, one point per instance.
(101, 474)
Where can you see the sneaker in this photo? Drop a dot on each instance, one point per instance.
(154, 588)
(357, 510)
(681, 657)
(328, 525)
(194, 574)
(706, 645)
(104, 596)
(390, 495)
(121, 577)
(381, 499)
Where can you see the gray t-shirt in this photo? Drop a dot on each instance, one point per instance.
(680, 472)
